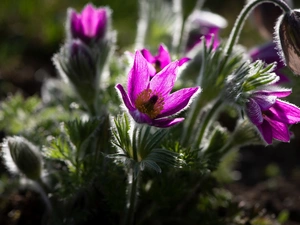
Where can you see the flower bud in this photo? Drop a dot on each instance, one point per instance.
(22, 156)
(89, 25)
(288, 35)
(76, 64)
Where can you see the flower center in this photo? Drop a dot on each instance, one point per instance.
(157, 66)
(149, 103)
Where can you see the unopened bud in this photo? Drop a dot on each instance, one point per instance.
(288, 35)
(89, 25)
(20, 155)
(76, 64)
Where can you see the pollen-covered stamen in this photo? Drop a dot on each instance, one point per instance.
(157, 66)
(149, 103)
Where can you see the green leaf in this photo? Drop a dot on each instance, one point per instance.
(121, 138)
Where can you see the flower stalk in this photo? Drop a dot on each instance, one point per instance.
(207, 120)
(131, 197)
(239, 23)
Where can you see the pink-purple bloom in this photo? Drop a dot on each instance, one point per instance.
(90, 24)
(204, 24)
(159, 61)
(271, 115)
(149, 101)
(268, 54)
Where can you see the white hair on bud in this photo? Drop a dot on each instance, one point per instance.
(276, 39)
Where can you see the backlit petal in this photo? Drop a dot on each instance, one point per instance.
(89, 20)
(125, 97)
(177, 101)
(163, 56)
(266, 131)
(280, 131)
(183, 61)
(147, 55)
(139, 77)
(284, 112)
(279, 92)
(163, 82)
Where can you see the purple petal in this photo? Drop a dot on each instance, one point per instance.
(254, 113)
(89, 20)
(75, 24)
(148, 56)
(211, 37)
(152, 70)
(163, 56)
(266, 53)
(163, 82)
(266, 131)
(101, 22)
(280, 131)
(177, 101)
(139, 77)
(140, 117)
(283, 77)
(166, 122)
(183, 61)
(93, 21)
(276, 91)
(284, 112)
(125, 98)
(265, 102)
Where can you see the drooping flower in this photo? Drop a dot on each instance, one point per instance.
(159, 61)
(288, 39)
(271, 115)
(268, 54)
(204, 24)
(264, 17)
(148, 100)
(90, 24)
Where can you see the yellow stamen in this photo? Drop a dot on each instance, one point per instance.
(149, 103)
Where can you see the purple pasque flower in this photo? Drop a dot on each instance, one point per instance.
(271, 115)
(149, 100)
(268, 54)
(159, 61)
(88, 25)
(204, 24)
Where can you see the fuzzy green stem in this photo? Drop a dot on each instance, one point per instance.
(192, 118)
(134, 142)
(239, 23)
(207, 121)
(132, 181)
(131, 200)
(196, 108)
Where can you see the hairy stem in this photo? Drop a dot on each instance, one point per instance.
(239, 23)
(207, 120)
(131, 198)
